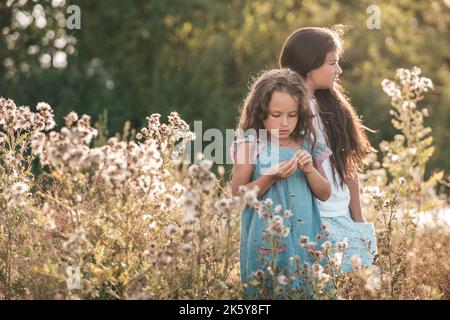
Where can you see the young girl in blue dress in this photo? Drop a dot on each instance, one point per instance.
(277, 154)
(314, 54)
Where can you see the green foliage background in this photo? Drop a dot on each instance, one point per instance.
(134, 58)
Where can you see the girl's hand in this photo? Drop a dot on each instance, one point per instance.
(304, 161)
(283, 170)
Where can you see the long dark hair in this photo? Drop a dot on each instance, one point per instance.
(305, 50)
(255, 108)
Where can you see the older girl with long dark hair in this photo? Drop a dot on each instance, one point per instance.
(314, 53)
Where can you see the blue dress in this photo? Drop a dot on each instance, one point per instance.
(292, 194)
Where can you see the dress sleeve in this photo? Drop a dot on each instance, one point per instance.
(248, 138)
(320, 153)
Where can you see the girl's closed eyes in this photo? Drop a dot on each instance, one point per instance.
(277, 115)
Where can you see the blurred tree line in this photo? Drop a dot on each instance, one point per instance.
(137, 57)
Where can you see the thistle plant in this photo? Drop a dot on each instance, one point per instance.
(17, 125)
(400, 192)
(414, 144)
(124, 218)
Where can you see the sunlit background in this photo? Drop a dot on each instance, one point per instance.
(130, 59)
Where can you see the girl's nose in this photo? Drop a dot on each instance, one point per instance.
(339, 70)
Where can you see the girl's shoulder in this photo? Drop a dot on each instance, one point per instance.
(245, 138)
(256, 145)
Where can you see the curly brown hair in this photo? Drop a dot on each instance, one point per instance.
(255, 108)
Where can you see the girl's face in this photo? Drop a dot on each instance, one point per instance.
(326, 75)
(283, 115)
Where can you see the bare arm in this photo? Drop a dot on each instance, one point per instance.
(263, 183)
(318, 183)
(243, 171)
(355, 202)
(315, 176)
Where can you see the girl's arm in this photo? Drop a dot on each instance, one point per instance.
(318, 183)
(315, 175)
(243, 171)
(263, 183)
(355, 202)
